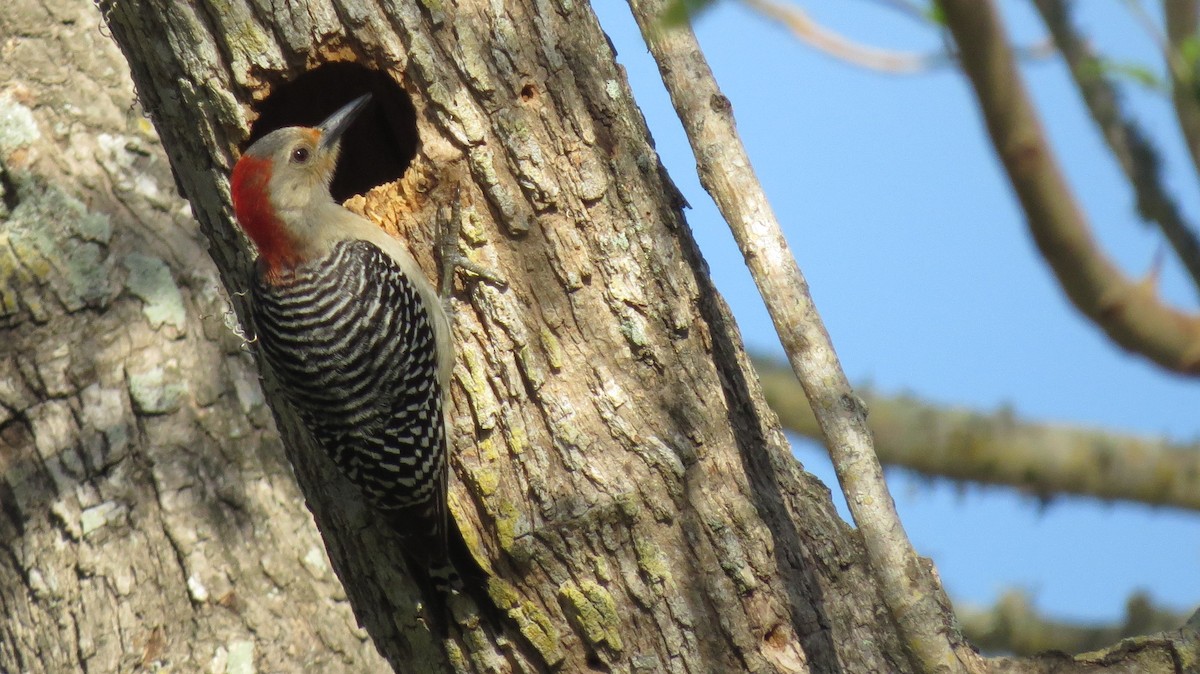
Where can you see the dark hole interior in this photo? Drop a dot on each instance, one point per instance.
(378, 146)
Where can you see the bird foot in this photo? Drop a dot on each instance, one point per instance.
(453, 261)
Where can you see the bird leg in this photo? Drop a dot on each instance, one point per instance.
(452, 260)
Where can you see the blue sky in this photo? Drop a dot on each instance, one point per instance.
(920, 263)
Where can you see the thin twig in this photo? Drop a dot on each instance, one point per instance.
(872, 58)
(1181, 18)
(913, 596)
(1147, 23)
(843, 48)
(1137, 156)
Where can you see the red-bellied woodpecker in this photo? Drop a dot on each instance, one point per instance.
(353, 331)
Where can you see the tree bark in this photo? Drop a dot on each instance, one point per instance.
(615, 463)
(148, 517)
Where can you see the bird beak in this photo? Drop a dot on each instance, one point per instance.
(333, 128)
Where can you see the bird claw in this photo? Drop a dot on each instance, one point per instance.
(452, 261)
(462, 263)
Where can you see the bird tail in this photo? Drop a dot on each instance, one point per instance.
(422, 528)
(439, 558)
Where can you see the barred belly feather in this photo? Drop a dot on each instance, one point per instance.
(353, 348)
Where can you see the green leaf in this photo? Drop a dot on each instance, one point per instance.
(1189, 50)
(1135, 72)
(680, 12)
(936, 14)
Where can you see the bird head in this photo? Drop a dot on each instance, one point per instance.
(281, 182)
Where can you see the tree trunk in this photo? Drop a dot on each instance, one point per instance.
(614, 463)
(148, 517)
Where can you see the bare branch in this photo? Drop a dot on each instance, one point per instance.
(1129, 312)
(1014, 626)
(1150, 28)
(1137, 156)
(1041, 459)
(914, 598)
(1169, 651)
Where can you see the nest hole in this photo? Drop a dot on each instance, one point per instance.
(376, 149)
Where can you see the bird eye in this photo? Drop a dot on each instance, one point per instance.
(300, 155)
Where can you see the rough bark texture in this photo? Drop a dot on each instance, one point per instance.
(614, 460)
(914, 596)
(148, 516)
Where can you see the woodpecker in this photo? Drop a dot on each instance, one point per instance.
(353, 330)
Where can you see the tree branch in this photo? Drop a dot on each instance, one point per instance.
(1129, 312)
(915, 599)
(1014, 626)
(1136, 155)
(1040, 459)
(1174, 651)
